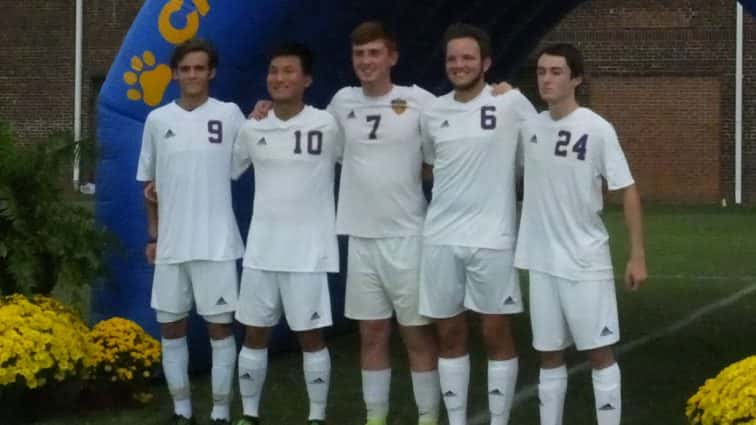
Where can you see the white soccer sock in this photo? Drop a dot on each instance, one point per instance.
(253, 366)
(317, 372)
(502, 379)
(454, 374)
(427, 390)
(176, 371)
(607, 391)
(552, 388)
(222, 376)
(376, 386)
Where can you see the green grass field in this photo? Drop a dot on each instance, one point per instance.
(674, 337)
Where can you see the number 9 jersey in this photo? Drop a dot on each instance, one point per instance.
(293, 226)
(561, 232)
(188, 155)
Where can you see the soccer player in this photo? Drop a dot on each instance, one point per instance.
(194, 240)
(568, 152)
(292, 238)
(469, 235)
(382, 209)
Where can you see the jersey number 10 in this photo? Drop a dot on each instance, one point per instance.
(314, 142)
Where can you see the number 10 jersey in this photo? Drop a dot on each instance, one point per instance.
(293, 218)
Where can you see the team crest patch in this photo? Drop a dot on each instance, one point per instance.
(399, 106)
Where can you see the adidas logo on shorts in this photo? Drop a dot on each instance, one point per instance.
(315, 316)
(262, 141)
(509, 301)
(351, 115)
(169, 134)
(221, 301)
(445, 124)
(534, 139)
(606, 331)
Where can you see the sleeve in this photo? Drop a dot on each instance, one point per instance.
(423, 97)
(520, 154)
(238, 119)
(522, 107)
(147, 154)
(429, 152)
(240, 158)
(613, 164)
(339, 139)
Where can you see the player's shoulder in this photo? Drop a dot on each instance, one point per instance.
(591, 119)
(441, 103)
(345, 95)
(162, 112)
(222, 106)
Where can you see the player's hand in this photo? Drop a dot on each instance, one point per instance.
(636, 273)
(501, 88)
(262, 107)
(149, 192)
(150, 251)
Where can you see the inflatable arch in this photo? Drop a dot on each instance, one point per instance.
(243, 30)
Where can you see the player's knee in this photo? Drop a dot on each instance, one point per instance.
(219, 330)
(551, 359)
(601, 357)
(173, 329)
(452, 340)
(311, 341)
(256, 337)
(375, 334)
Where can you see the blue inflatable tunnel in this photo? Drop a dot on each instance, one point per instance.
(243, 31)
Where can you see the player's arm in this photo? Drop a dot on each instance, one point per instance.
(500, 88)
(240, 157)
(262, 107)
(635, 272)
(152, 224)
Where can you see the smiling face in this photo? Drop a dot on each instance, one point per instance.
(465, 66)
(287, 80)
(555, 82)
(372, 61)
(193, 74)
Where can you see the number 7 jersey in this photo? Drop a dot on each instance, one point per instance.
(293, 216)
(561, 232)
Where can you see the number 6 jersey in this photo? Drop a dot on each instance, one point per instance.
(561, 232)
(188, 155)
(293, 215)
(473, 149)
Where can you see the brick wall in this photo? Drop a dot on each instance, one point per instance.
(662, 72)
(37, 53)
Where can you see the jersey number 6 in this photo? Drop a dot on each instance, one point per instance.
(487, 117)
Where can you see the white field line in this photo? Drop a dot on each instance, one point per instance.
(531, 390)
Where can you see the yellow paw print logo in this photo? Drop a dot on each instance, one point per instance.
(147, 80)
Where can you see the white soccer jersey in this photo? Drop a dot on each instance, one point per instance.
(473, 149)
(381, 192)
(293, 216)
(188, 155)
(561, 232)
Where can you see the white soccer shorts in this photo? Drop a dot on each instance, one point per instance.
(456, 278)
(564, 311)
(383, 277)
(211, 285)
(303, 297)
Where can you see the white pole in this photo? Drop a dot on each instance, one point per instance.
(77, 90)
(739, 108)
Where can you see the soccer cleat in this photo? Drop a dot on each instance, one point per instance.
(220, 422)
(376, 421)
(248, 420)
(182, 420)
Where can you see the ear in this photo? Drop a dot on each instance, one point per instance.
(486, 64)
(394, 55)
(577, 81)
(307, 81)
(212, 73)
(174, 72)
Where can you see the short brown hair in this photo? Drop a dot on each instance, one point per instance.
(460, 30)
(571, 55)
(373, 31)
(195, 45)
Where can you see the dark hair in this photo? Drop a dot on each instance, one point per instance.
(571, 55)
(299, 50)
(372, 31)
(460, 30)
(194, 45)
